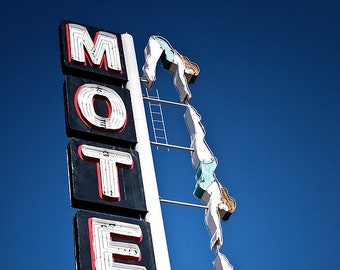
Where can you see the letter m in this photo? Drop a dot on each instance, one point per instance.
(102, 51)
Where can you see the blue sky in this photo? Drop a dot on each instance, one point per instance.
(268, 94)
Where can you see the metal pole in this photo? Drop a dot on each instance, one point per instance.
(183, 203)
(172, 146)
(154, 215)
(166, 101)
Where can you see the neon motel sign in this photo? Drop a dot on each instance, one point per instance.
(105, 179)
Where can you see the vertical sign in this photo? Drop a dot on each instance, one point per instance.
(105, 171)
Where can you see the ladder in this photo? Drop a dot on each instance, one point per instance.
(157, 119)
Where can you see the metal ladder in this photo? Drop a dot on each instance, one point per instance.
(157, 119)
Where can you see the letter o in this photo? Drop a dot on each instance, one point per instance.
(84, 99)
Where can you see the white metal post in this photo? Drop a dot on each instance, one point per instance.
(154, 215)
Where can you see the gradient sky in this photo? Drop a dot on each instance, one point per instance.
(268, 94)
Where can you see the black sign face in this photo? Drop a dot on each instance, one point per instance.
(92, 53)
(112, 242)
(98, 112)
(105, 178)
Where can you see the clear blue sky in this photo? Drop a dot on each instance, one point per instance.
(268, 94)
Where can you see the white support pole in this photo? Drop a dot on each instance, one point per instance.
(154, 215)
